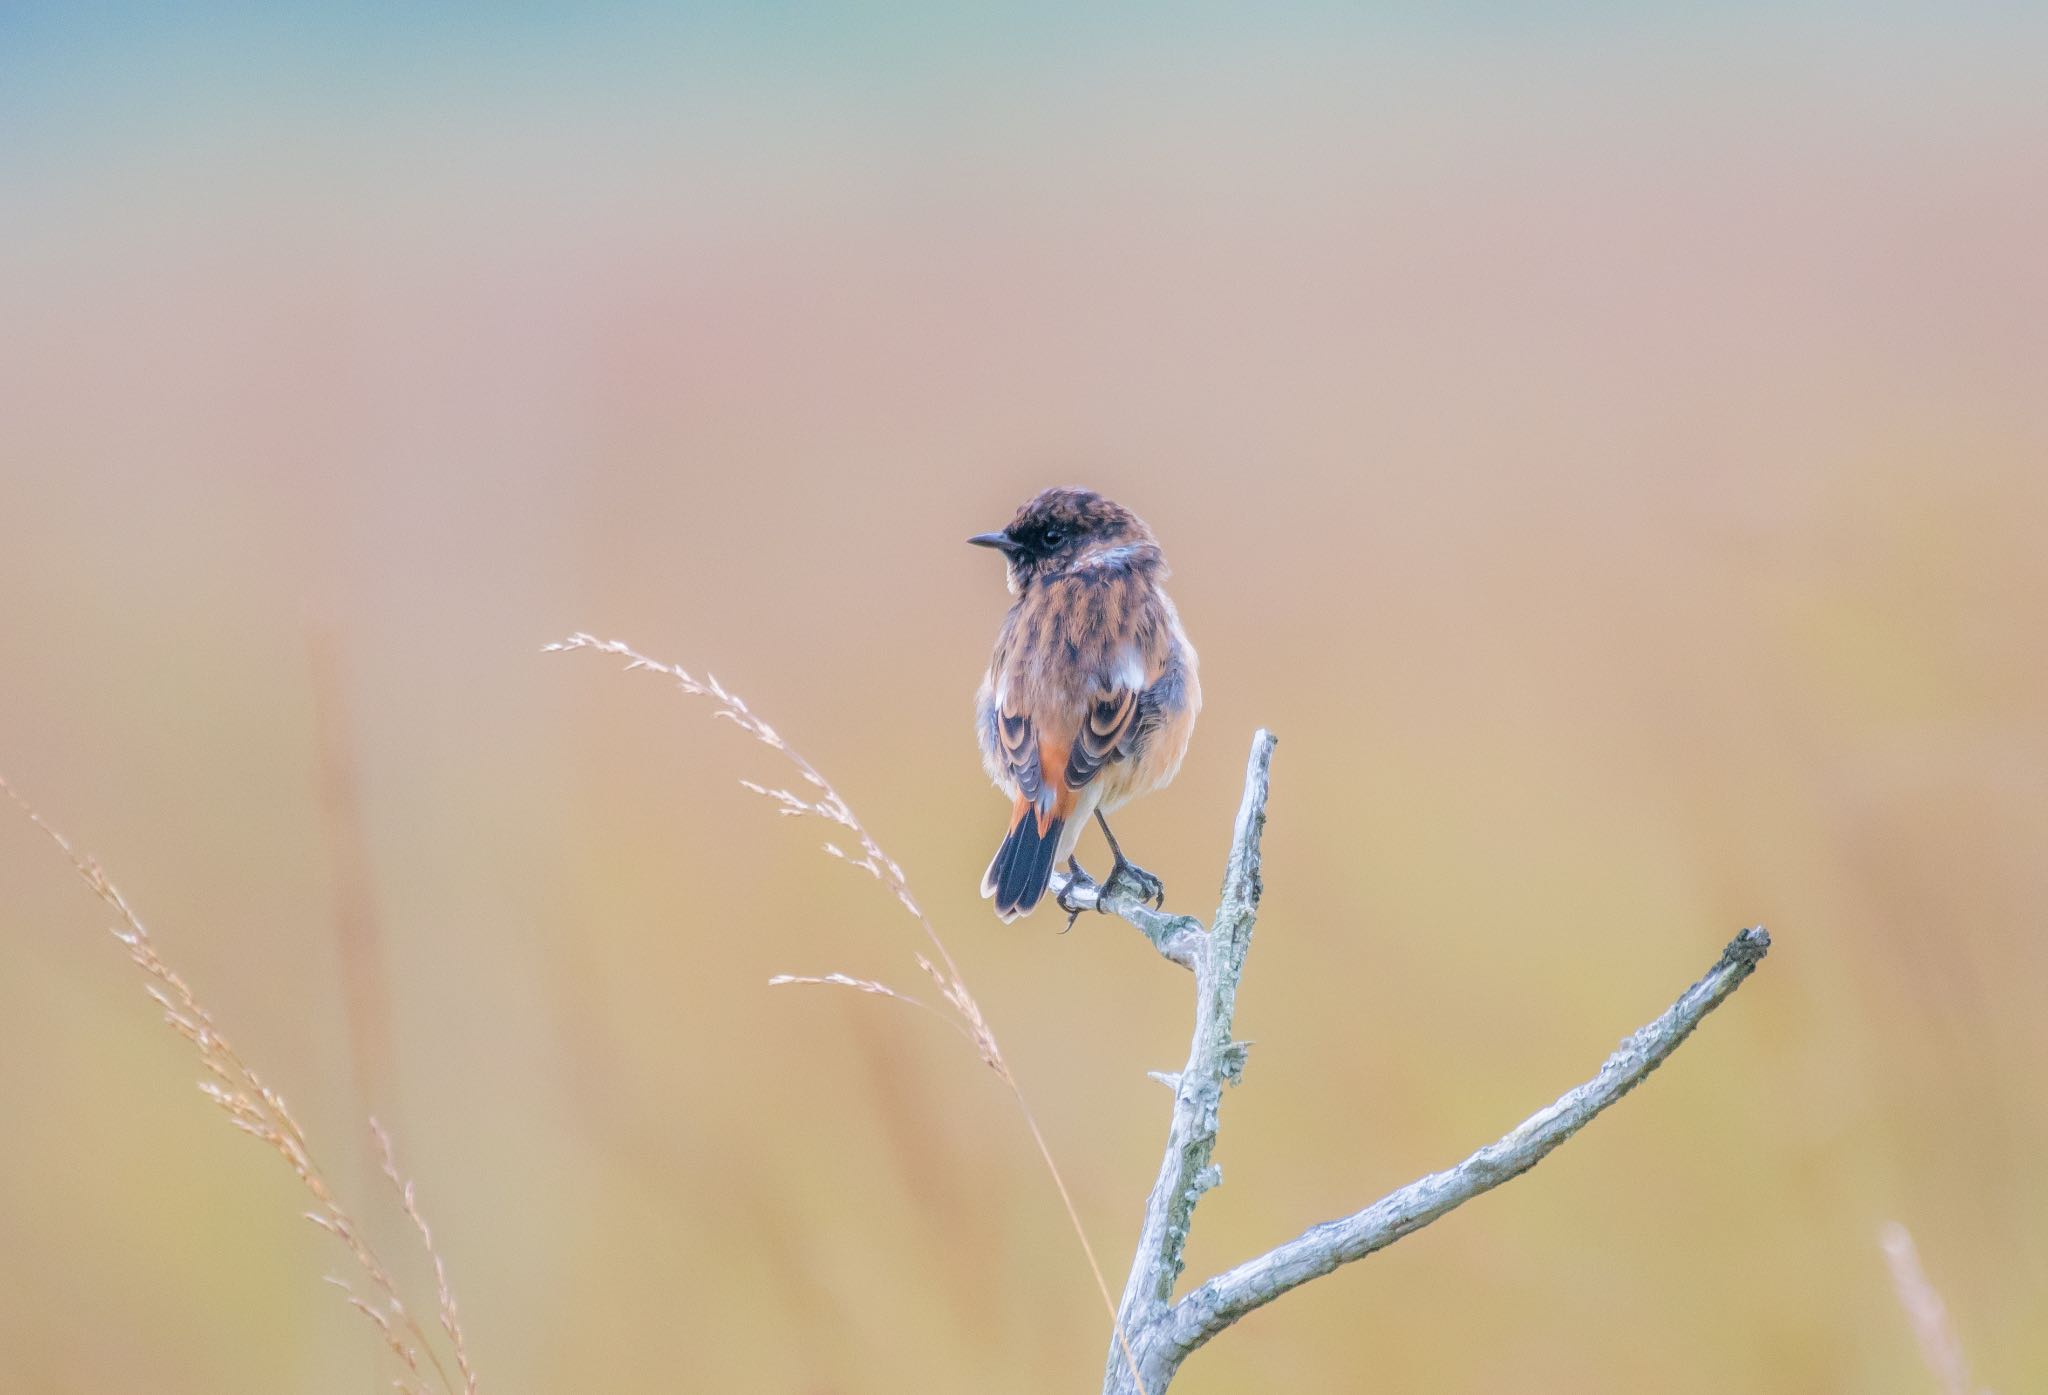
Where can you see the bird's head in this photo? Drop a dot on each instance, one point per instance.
(1062, 530)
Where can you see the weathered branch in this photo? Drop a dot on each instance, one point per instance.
(1163, 1332)
(1214, 1059)
(1177, 937)
(1229, 1296)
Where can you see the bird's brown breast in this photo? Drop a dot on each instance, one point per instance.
(1071, 637)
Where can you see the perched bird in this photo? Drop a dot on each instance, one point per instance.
(1090, 696)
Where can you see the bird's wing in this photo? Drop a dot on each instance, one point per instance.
(1104, 733)
(1122, 663)
(1017, 748)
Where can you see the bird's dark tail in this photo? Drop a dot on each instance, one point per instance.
(1022, 866)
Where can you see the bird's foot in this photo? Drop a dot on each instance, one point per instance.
(1128, 875)
(1077, 881)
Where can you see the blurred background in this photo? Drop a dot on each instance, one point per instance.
(1607, 445)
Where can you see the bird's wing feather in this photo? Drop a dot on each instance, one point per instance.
(1104, 734)
(1017, 744)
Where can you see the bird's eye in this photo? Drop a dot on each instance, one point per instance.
(1051, 538)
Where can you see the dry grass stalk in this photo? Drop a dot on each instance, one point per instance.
(1940, 1348)
(450, 1322)
(258, 1110)
(859, 985)
(826, 803)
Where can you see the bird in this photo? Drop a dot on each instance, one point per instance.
(1091, 692)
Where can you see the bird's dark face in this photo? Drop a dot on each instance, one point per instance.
(1063, 529)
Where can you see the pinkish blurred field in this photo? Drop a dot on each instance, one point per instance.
(1611, 453)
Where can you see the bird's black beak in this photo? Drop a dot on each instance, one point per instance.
(1002, 542)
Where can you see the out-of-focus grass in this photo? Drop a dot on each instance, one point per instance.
(1609, 460)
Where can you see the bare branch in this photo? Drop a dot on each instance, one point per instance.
(1229, 1296)
(1214, 1059)
(1177, 937)
(1165, 1332)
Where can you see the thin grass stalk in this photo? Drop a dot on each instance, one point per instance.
(827, 803)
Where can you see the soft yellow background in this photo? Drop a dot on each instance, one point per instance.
(1609, 448)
